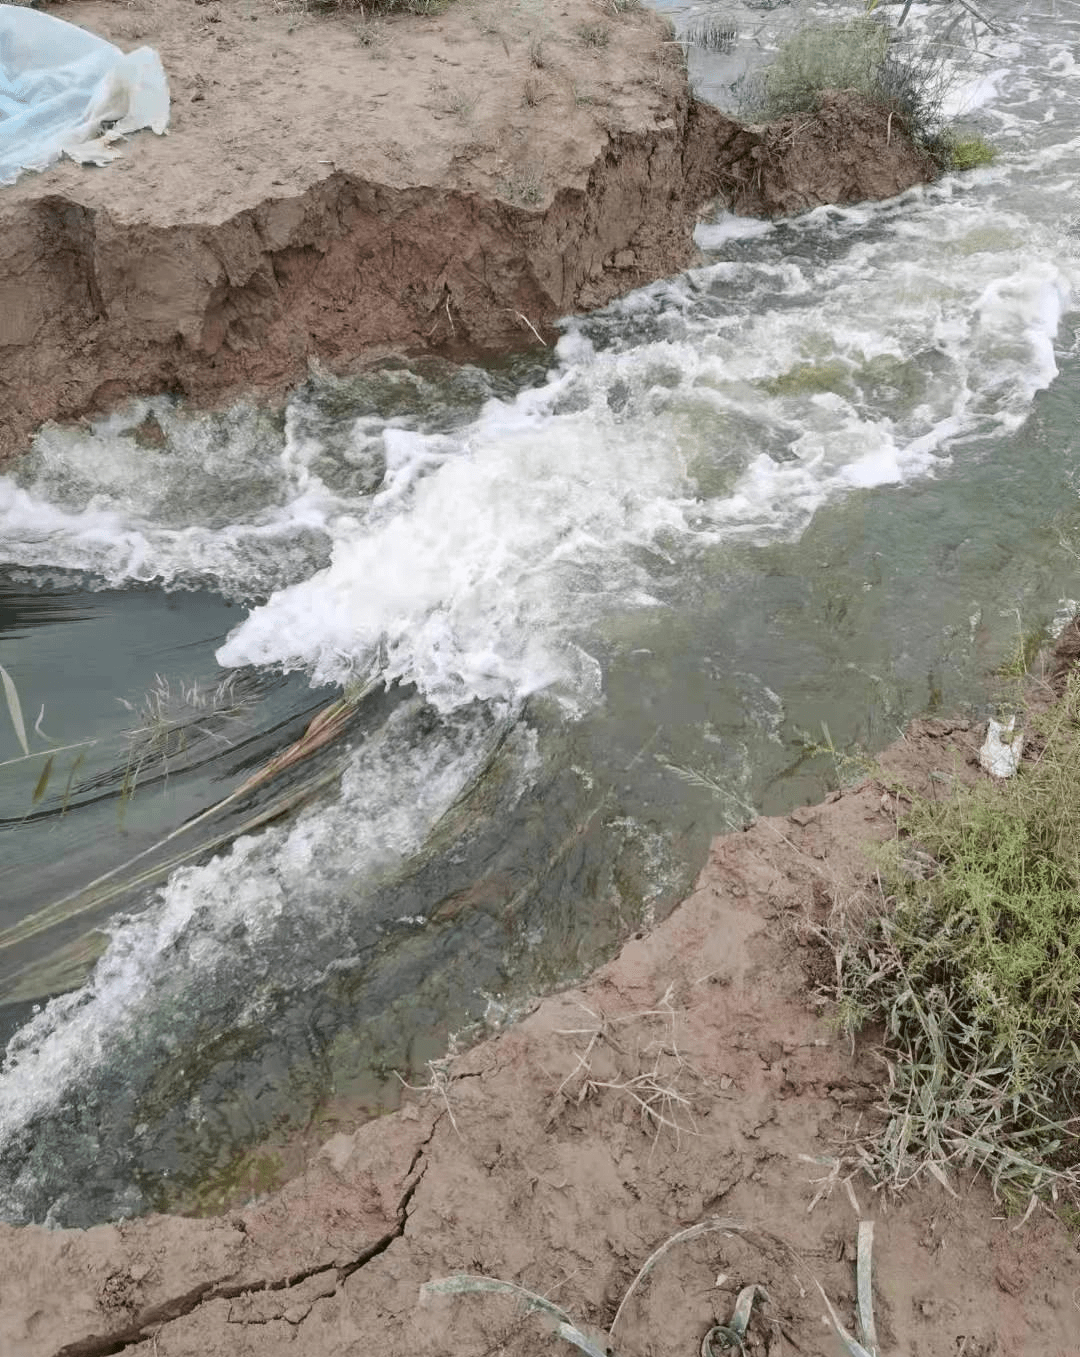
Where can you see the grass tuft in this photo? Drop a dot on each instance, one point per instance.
(970, 964)
(594, 35)
(524, 186)
(967, 153)
(533, 93)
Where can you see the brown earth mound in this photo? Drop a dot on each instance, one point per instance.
(333, 187)
(687, 1081)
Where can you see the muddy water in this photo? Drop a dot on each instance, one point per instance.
(600, 604)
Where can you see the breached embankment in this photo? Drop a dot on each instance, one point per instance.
(330, 190)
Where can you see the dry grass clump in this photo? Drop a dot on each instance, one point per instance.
(594, 35)
(970, 964)
(171, 720)
(534, 93)
(650, 1072)
(524, 186)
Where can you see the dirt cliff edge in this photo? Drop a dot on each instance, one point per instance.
(331, 189)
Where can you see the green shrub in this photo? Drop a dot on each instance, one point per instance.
(865, 56)
(838, 56)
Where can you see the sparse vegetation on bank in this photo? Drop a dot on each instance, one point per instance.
(969, 964)
(865, 56)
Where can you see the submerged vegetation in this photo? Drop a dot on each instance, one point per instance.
(970, 963)
(169, 721)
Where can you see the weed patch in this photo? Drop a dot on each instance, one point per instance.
(967, 153)
(970, 964)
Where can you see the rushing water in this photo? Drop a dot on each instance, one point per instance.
(598, 604)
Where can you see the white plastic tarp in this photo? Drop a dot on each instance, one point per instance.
(64, 91)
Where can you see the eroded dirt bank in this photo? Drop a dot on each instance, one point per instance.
(535, 1164)
(330, 189)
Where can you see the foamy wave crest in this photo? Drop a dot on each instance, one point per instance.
(474, 579)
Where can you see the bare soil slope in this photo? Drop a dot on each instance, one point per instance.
(332, 188)
(536, 1163)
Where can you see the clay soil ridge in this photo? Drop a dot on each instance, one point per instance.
(332, 188)
(533, 1163)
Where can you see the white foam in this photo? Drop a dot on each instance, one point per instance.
(727, 227)
(461, 588)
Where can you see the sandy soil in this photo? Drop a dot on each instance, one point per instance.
(533, 1162)
(329, 190)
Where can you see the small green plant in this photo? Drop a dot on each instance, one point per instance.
(626, 6)
(594, 35)
(966, 153)
(537, 57)
(1025, 649)
(970, 964)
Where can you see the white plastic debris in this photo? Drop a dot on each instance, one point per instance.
(1000, 754)
(1067, 609)
(64, 91)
